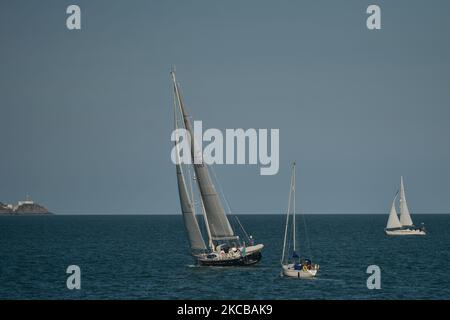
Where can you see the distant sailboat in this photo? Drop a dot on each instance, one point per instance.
(225, 248)
(292, 265)
(403, 226)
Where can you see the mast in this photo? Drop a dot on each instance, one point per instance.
(293, 190)
(287, 214)
(218, 223)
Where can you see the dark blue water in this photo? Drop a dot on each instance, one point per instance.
(146, 257)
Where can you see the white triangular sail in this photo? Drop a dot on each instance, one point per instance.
(393, 221)
(187, 208)
(218, 223)
(405, 217)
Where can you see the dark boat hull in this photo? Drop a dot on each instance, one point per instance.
(248, 260)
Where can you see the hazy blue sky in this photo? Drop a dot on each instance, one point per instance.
(86, 115)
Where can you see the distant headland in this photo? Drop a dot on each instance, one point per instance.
(26, 207)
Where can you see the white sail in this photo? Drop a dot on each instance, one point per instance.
(393, 221)
(190, 221)
(405, 217)
(219, 225)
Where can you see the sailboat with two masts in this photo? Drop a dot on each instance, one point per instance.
(225, 247)
(292, 265)
(403, 226)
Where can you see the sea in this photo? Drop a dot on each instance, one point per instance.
(147, 257)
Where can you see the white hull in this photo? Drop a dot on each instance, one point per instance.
(253, 249)
(289, 271)
(405, 232)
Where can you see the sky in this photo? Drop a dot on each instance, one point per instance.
(86, 115)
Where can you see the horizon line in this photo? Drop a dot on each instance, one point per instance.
(234, 213)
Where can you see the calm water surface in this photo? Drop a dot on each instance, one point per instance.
(146, 257)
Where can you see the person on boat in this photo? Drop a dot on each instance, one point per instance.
(307, 263)
(297, 264)
(252, 242)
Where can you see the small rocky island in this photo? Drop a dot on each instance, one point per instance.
(27, 207)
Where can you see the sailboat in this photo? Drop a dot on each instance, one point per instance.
(292, 265)
(403, 226)
(225, 247)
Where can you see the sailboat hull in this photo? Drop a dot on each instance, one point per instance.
(245, 261)
(248, 260)
(405, 232)
(290, 271)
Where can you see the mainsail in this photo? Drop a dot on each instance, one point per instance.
(219, 225)
(393, 221)
(405, 217)
(190, 221)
